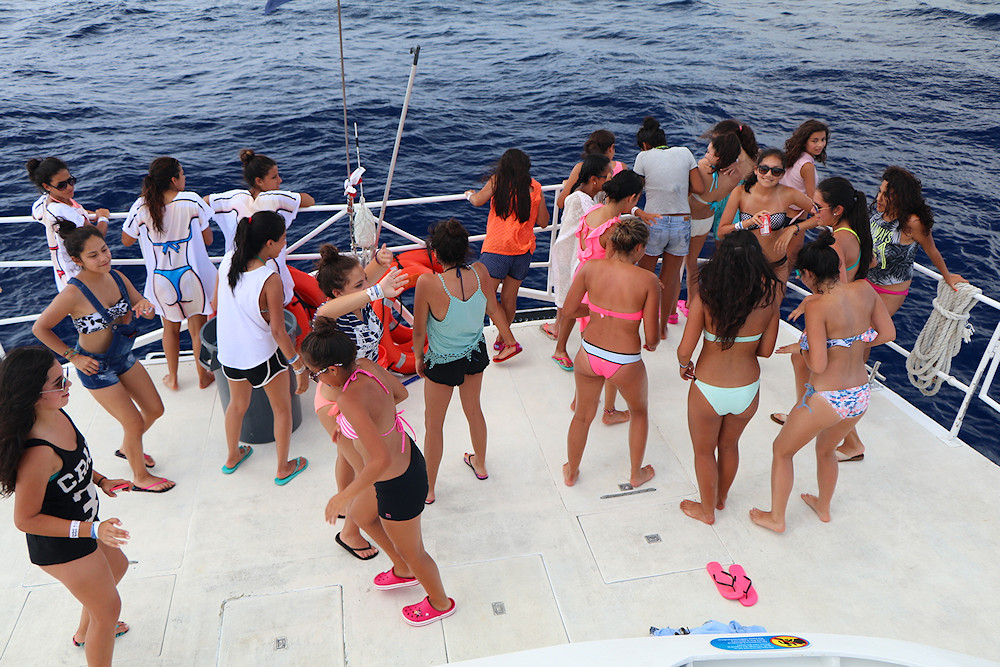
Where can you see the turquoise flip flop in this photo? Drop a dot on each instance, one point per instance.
(246, 450)
(301, 463)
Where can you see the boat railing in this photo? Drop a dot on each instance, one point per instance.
(977, 387)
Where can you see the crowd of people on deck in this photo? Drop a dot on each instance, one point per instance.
(756, 204)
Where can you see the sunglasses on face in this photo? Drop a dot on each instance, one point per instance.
(762, 169)
(62, 185)
(63, 381)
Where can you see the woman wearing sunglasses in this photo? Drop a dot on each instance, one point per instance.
(762, 204)
(52, 177)
(102, 304)
(45, 463)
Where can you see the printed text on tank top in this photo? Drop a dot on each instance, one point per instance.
(345, 426)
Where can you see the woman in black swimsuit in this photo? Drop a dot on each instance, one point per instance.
(45, 463)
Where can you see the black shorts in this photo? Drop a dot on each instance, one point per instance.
(453, 373)
(57, 550)
(402, 498)
(259, 375)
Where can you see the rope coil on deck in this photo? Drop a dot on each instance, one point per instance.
(942, 337)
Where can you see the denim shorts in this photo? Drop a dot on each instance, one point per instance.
(501, 266)
(669, 234)
(116, 361)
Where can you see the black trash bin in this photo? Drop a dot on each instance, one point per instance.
(258, 423)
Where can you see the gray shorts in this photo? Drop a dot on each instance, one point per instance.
(669, 234)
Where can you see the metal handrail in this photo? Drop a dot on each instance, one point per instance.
(988, 366)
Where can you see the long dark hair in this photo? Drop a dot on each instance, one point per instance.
(650, 133)
(838, 191)
(40, 172)
(599, 141)
(326, 345)
(155, 184)
(623, 185)
(332, 269)
(512, 185)
(251, 235)
(255, 166)
(74, 238)
(796, 144)
(449, 239)
(747, 138)
(905, 198)
(594, 164)
(23, 373)
(819, 257)
(751, 180)
(737, 280)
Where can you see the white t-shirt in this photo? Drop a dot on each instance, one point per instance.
(667, 172)
(179, 248)
(228, 208)
(45, 211)
(286, 204)
(244, 336)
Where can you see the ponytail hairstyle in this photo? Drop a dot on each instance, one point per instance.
(40, 172)
(905, 199)
(595, 164)
(155, 184)
(796, 144)
(23, 373)
(512, 185)
(820, 258)
(628, 234)
(74, 238)
(737, 280)
(650, 133)
(838, 191)
(727, 149)
(255, 166)
(332, 269)
(751, 180)
(747, 138)
(623, 185)
(599, 141)
(326, 345)
(450, 241)
(252, 234)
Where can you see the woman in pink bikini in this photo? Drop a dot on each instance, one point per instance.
(842, 321)
(620, 295)
(392, 463)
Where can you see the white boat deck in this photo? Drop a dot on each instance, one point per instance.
(225, 567)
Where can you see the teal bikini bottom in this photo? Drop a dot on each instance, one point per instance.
(728, 400)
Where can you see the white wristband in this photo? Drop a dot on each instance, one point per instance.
(93, 531)
(634, 209)
(74, 529)
(102, 219)
(375, 293)
(468, 195)
(738, 224)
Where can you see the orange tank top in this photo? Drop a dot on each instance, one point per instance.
(510, 236)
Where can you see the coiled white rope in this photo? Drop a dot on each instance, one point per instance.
(942, 337)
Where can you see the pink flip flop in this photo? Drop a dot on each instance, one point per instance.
(682, 307)
(724, 581)
(743, 585)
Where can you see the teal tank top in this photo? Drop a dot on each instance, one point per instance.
(461, 330)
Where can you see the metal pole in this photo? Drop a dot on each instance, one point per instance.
(399, 137)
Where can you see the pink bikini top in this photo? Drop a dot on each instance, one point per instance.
(603, 312)
(592, 241)
(345, 426)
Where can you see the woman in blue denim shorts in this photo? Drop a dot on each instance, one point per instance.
(103, 305)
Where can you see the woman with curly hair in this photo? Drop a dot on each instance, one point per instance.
(45, 463)
(736, 312)
(516, 208)
(899, 222)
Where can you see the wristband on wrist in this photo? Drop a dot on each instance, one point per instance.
(375, 293)
(102, 218)
(69, 353)
(299, 371)
(797, 229)
(634, 209)
(93, 530)
(687, 365)
(74, 529)
(293, 359)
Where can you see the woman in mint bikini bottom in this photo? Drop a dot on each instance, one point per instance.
(738, 293)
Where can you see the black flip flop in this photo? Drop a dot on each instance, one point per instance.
(354, 552)
(146, 458)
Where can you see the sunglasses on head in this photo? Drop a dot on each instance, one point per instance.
(62, 185)
(762, 169)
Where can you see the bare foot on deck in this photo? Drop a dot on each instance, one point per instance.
(572, 406)
(611, 417)
(766, 520)
(720, 503)
(813, 502)
(570, 478)
(663, 332)
(170, 382)
(697, 511)
(205, 378)
(645, 474)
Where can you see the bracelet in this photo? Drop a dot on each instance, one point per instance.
(634, 209)
(738, 224)
(299, 371)
(797, 229)
(374, 293)
(69, 353)
(293, 359)
(93, 530)
(74, 529)
(687, 365)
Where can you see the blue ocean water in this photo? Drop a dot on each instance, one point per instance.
(110, 84)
